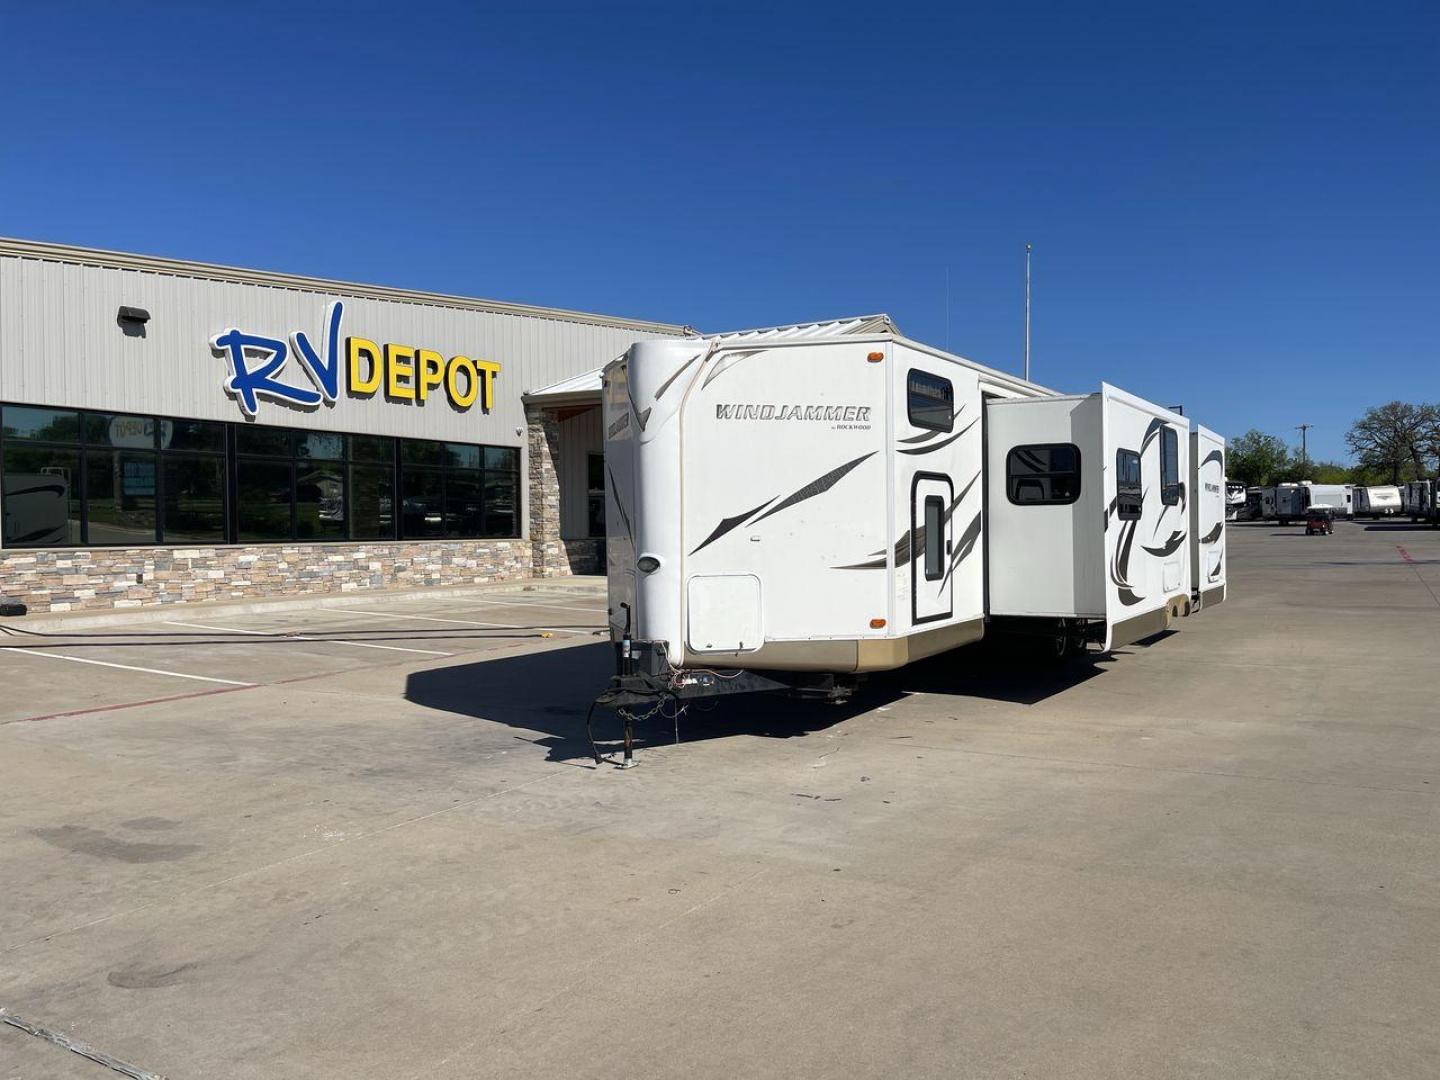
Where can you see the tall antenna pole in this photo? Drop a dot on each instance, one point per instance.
(1028, 249)
(947, 309)
(1304, 454)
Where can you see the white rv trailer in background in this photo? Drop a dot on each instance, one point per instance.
(1336, 496)
(1290, 502)
(1260, 504)
(1377, 501)
(1419, 503)
(788, 511)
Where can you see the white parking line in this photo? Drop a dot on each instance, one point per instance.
(460, 622)
(128, 667)
(530, 603)
(306, 637)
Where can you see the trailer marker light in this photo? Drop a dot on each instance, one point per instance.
(647, 563)
(877, 624)
(875, 357)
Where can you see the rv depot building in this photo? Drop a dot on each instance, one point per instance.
(173, 431)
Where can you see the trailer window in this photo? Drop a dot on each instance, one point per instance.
(1169, 466)
(1046, 474)
(1128, 493)
(934, 537)
(930, 401)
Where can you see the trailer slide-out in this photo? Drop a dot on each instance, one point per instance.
(791, 513)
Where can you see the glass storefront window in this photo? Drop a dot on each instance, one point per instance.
(272, 442)
(420, 452)
(120, 497)
(192, 435)
(463, 515)
(263, 496)
(319, 445)
(52, 425)
(372, 502)
(319, 501)
(194, 498)
(41, 495)
(73, 477)
(376, 448)
(422, 504)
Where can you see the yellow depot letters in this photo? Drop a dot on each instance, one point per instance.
(409, 374)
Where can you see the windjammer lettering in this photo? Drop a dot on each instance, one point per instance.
(845, 413)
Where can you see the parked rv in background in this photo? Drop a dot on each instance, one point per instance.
(1234, 501)
(1336, 496)
(1290, 502)
(1377, 501)
(1260, 504)
(1418, 501)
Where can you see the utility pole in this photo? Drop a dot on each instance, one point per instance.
(1304, 455)
(1028, 249)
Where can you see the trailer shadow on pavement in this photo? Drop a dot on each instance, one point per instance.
(549, 693)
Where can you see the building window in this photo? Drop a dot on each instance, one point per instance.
(73, 477)
(930, 401)
(457, 490)
(595, 494)
(1047, 474)
(1169, 466)
(1128, 493)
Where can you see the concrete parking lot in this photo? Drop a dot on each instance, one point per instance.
(369, 841)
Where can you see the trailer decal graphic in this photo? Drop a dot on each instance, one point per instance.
(914, 539)
(966, 545)
(818, 486)
(1213, 534)
(726, 524)
(1120, 564)
(614, 490)
(1169, 547)
(934, 433)
(941, 445)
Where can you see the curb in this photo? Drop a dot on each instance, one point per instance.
(87, 620)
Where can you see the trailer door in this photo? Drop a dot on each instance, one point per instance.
(932, 533)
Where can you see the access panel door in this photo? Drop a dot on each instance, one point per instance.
(931, 536)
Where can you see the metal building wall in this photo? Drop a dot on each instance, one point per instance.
(60, 345)
(579, 438)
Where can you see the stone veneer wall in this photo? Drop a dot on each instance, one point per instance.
(89, 578)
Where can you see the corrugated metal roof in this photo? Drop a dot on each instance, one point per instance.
(65, 253)
(856, 324)
(587, 383)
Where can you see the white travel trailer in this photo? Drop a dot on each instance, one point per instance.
(788, 511)
(1377, 501)
(1419, 501)
(1290, 502)
(1336, 496)
(1209, 510)
(1260, 504)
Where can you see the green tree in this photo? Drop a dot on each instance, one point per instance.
(1256, 459)
(1397, 440)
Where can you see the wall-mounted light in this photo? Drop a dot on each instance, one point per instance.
(132, 321)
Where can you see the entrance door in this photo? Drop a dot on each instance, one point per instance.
(931, 582)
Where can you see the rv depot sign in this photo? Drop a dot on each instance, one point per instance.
(404, 373)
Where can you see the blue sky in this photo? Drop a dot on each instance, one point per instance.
(1233, 206)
